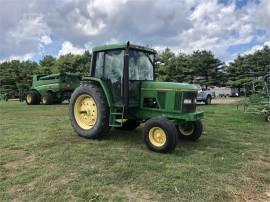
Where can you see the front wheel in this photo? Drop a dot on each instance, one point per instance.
(191, 130)
(89, 112)
(160, 135)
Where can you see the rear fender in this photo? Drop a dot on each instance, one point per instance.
(102, 85)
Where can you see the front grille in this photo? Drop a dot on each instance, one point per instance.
(191, 107)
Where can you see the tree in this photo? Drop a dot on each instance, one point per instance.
(248, 67)
(206, 68)
(164, 62)
(199, 67)
(47, 65)
(16, 75)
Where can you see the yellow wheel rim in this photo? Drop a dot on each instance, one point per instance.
(85, 111)
(157, 136)
(29, 98)
(187, 129)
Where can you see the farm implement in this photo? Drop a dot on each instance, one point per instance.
(259, 100)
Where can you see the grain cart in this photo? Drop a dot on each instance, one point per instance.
(120, 92)
(259, 100)
(52, 89)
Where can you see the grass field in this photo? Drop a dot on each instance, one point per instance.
(42, 159)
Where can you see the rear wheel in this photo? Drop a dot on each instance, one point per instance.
(47, 99)
(89, 112)
(191, 130)
(129, 124)
(160, 135)
(32, 98)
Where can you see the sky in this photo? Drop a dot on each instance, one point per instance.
(34, 28)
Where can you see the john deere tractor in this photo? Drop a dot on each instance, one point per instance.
(120, 92)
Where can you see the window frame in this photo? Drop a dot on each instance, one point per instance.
(154, 64)
(93, 65)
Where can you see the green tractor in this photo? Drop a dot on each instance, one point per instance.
(52, 89)
(120, 92)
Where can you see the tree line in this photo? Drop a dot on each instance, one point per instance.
(201, 67)
(204, 68)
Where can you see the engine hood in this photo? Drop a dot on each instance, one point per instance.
(167, 86)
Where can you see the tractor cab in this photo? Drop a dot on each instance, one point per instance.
(121, 92)
(123, 67)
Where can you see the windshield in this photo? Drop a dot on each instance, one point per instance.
(141, 65)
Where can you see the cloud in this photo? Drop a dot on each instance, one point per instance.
(25, 57)
(21, 33)
(68, 47)
(46, 40)
(184, 25)
(256, 48)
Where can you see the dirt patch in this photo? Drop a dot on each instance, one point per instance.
(13, 165)
(227, 100)
(251, 189)
(18, 159)
(131, 194)
(46, 185)
(55, 185)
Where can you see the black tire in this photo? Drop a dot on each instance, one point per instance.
(267, 118)
(168, 128)
(208, 100)
(191, 130)
(32, 98)
(47, 99)
(130, 124)
(101, 126)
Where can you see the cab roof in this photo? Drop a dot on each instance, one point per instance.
(123, 46)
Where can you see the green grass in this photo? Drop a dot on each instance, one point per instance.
(41, 159)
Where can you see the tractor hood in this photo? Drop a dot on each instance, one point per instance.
(167, 86)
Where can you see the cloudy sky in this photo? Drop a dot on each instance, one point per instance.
(34, 28)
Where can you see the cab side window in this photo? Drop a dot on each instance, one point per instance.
(99, 64)
(114, 63)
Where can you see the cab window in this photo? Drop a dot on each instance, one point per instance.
(99, 64)
(141, 65)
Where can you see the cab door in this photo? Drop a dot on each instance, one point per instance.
(109, 67)
(140, 69)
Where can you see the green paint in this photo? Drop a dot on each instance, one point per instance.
(104, 87)
(56, 83)
(152, 98)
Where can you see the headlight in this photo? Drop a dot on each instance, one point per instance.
(187, 101)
